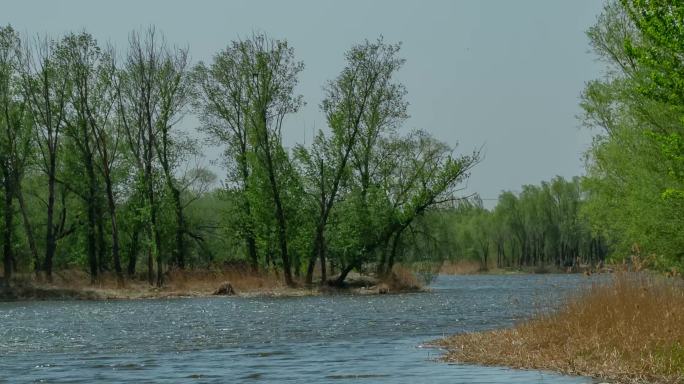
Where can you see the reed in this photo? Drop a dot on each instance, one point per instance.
(629, 330)
(460, 267)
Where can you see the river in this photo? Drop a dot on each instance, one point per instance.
(332, 339)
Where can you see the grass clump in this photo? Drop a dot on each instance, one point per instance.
(629, 330)
(76, 284)
(460, 267)
(402, 279)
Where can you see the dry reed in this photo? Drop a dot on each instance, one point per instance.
(74, 283)
(402, 279)
(461, 267)
(629, 330)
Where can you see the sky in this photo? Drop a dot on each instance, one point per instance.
(504, 76)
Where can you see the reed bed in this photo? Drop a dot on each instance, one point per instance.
(461, 267)
(627, 330)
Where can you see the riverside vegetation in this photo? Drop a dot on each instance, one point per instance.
(97, 174)
(629, 329)
(101, 187)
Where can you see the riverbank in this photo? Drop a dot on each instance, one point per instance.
(76, 285)
(472, 267)
(627, 330)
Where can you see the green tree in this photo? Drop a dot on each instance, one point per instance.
(360, 103)
(270, 90)
(15, 142)
(634, 167)
(47, 88)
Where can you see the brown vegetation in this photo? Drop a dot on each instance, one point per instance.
(401, 279)
(461, 267)
(76, 284)
(629, 330)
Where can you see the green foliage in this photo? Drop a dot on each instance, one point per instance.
(101, 135)
(635, 167)
(538, 227)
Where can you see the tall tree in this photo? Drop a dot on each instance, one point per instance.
(47, 89)
(92, 103)
(362, 99)
(152, 92)
(272, 71)
(138, 98)
(634, 166)
(13, 139)
(174, 93)
(222, 100)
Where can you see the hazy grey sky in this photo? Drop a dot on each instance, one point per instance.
(504, 74)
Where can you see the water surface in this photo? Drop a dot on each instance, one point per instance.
(332, 339)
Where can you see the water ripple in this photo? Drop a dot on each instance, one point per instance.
(333, 339)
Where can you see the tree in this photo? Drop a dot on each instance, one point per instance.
(270, 91)
(104, 139)
(634, 167)
(89, 126)
(222, 102)
(407, 168)
(151, 95)
(362, 99)
(14, 139)
(47, 89)
(174, 93)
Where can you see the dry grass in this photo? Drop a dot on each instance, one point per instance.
(402, 279)
(207, 281)
(629, 330)
(461, 267)
(77, 284)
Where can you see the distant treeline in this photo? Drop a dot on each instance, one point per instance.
(631, 202)
(542, 226)
(96, 173)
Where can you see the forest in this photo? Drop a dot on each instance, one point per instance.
(628, 206)
(635, 165)
(99, 174)
(541, 229)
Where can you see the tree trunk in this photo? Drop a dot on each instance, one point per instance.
(282, 240)
(316, 252)
(90, 241)
(252, 251)
(383, 258)
(27, 227)
(343, 275)
(115, 230)
(151, 200)
(91, 232)
(102, 262)
(180, 225)
(250, 241)
(322, 251)
(50, 238)
(8, 258)
(280, 217)
(157, 244)
(393, 253)
(133, 253)
(150, 262)
(275, 190)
